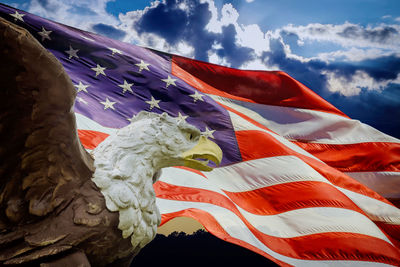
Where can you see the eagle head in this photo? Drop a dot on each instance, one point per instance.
(129, 162)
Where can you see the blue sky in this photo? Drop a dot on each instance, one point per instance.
(348, 51)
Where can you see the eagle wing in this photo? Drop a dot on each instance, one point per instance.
(41, 159)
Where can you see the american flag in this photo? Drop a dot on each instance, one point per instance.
(297, 178)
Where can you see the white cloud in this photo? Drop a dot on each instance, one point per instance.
(251, 36)
(397, 19)
(76, 13)
(386, 17)
(229, 15)
(215, 59)
(249, 1)
(353, 85)
(184, 49)
(353, 54)
(258, 64)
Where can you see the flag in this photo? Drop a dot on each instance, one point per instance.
(300, 182)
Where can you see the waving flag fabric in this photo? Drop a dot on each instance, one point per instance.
(297, 178)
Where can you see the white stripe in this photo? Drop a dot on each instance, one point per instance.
(240, 124)
(259, 173)
(307, 221)
(305, 124)
(235, 227)
(85, 123)
(387, 184)
(375, 209)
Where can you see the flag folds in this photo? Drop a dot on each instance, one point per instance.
(300, 182)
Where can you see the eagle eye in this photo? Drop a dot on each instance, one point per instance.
(191, 136)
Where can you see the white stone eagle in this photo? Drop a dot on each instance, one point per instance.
(59, 206)
(130, 161)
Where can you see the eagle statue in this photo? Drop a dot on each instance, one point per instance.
(60, 205)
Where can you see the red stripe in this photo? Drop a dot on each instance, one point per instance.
(212, 226)
(249, 145)
(324, 246)
(91, 139)
(344, 246)
(262, 201)
(290, 196)
(392, 231)
(264, 87)
(371, 156)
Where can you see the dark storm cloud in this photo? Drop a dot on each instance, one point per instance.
(165, 20)
(380, 109)
(235, 55)
(308, 73)
(378, 35)
(109, 31)
(173, 24)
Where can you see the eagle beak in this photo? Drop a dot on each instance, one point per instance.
(205, 150)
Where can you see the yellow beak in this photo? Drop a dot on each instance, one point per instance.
(205, 149)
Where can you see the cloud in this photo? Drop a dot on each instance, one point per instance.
(350, 86)
(345, 78)
(109, 31)
(349, 34)
(198, 27)
(169, 26)
(76, 13)
(353, 54)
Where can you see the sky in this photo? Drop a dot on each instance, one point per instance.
(347, 51)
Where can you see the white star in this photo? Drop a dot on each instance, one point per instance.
(80, 99)
(72, 52)
(181, 118)
(45, 34)
(108, 104)
(197, 96)
(126, 87)
(153, 103)
(115, 50)
(169, 81)
(81, 87)
(18, 16)
(99, 70)
(208, 133)
(142, 66)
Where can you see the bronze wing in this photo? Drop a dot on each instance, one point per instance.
(42, 163)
